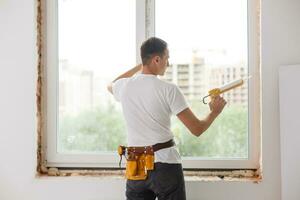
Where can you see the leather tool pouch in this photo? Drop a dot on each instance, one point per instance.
(138, 162)
(140, 159)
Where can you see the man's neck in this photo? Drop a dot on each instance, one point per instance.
(147, 70)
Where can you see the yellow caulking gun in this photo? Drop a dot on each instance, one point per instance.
(217, 91)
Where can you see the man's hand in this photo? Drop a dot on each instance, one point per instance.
(217, 104)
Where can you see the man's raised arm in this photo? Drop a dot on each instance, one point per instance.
(127, 74)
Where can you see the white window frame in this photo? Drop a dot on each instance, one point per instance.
(145, 19)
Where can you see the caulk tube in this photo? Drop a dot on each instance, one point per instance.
(233, 84)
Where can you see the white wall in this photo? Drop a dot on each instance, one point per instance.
(289, 138)
(280, 45)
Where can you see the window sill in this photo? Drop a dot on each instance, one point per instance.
(189, 175)
(226, 175)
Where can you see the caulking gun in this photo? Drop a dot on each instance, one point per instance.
(217, 91)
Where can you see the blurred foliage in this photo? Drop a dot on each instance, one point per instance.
(103, 129)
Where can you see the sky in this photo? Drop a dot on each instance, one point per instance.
(100, 35)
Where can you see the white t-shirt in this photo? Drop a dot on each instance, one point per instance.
(148, 104)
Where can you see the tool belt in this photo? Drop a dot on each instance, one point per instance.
(140, 159)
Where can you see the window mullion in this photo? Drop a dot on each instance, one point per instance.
(150, 18)
(145, 23)
(140, 26)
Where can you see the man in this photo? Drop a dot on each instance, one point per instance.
(148, 103)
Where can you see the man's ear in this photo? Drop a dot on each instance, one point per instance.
(156, 59)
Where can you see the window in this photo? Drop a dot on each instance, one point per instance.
(89, 43)
(86, 40)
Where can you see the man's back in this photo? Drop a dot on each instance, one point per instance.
(148, 104)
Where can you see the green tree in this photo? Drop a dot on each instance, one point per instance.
(226, 138)
(98, 130)
(103, 129)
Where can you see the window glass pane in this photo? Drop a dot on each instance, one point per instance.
(96, 42)
(208, 47)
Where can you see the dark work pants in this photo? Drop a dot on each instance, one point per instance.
(165, 182)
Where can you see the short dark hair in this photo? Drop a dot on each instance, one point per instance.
(152, 46)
